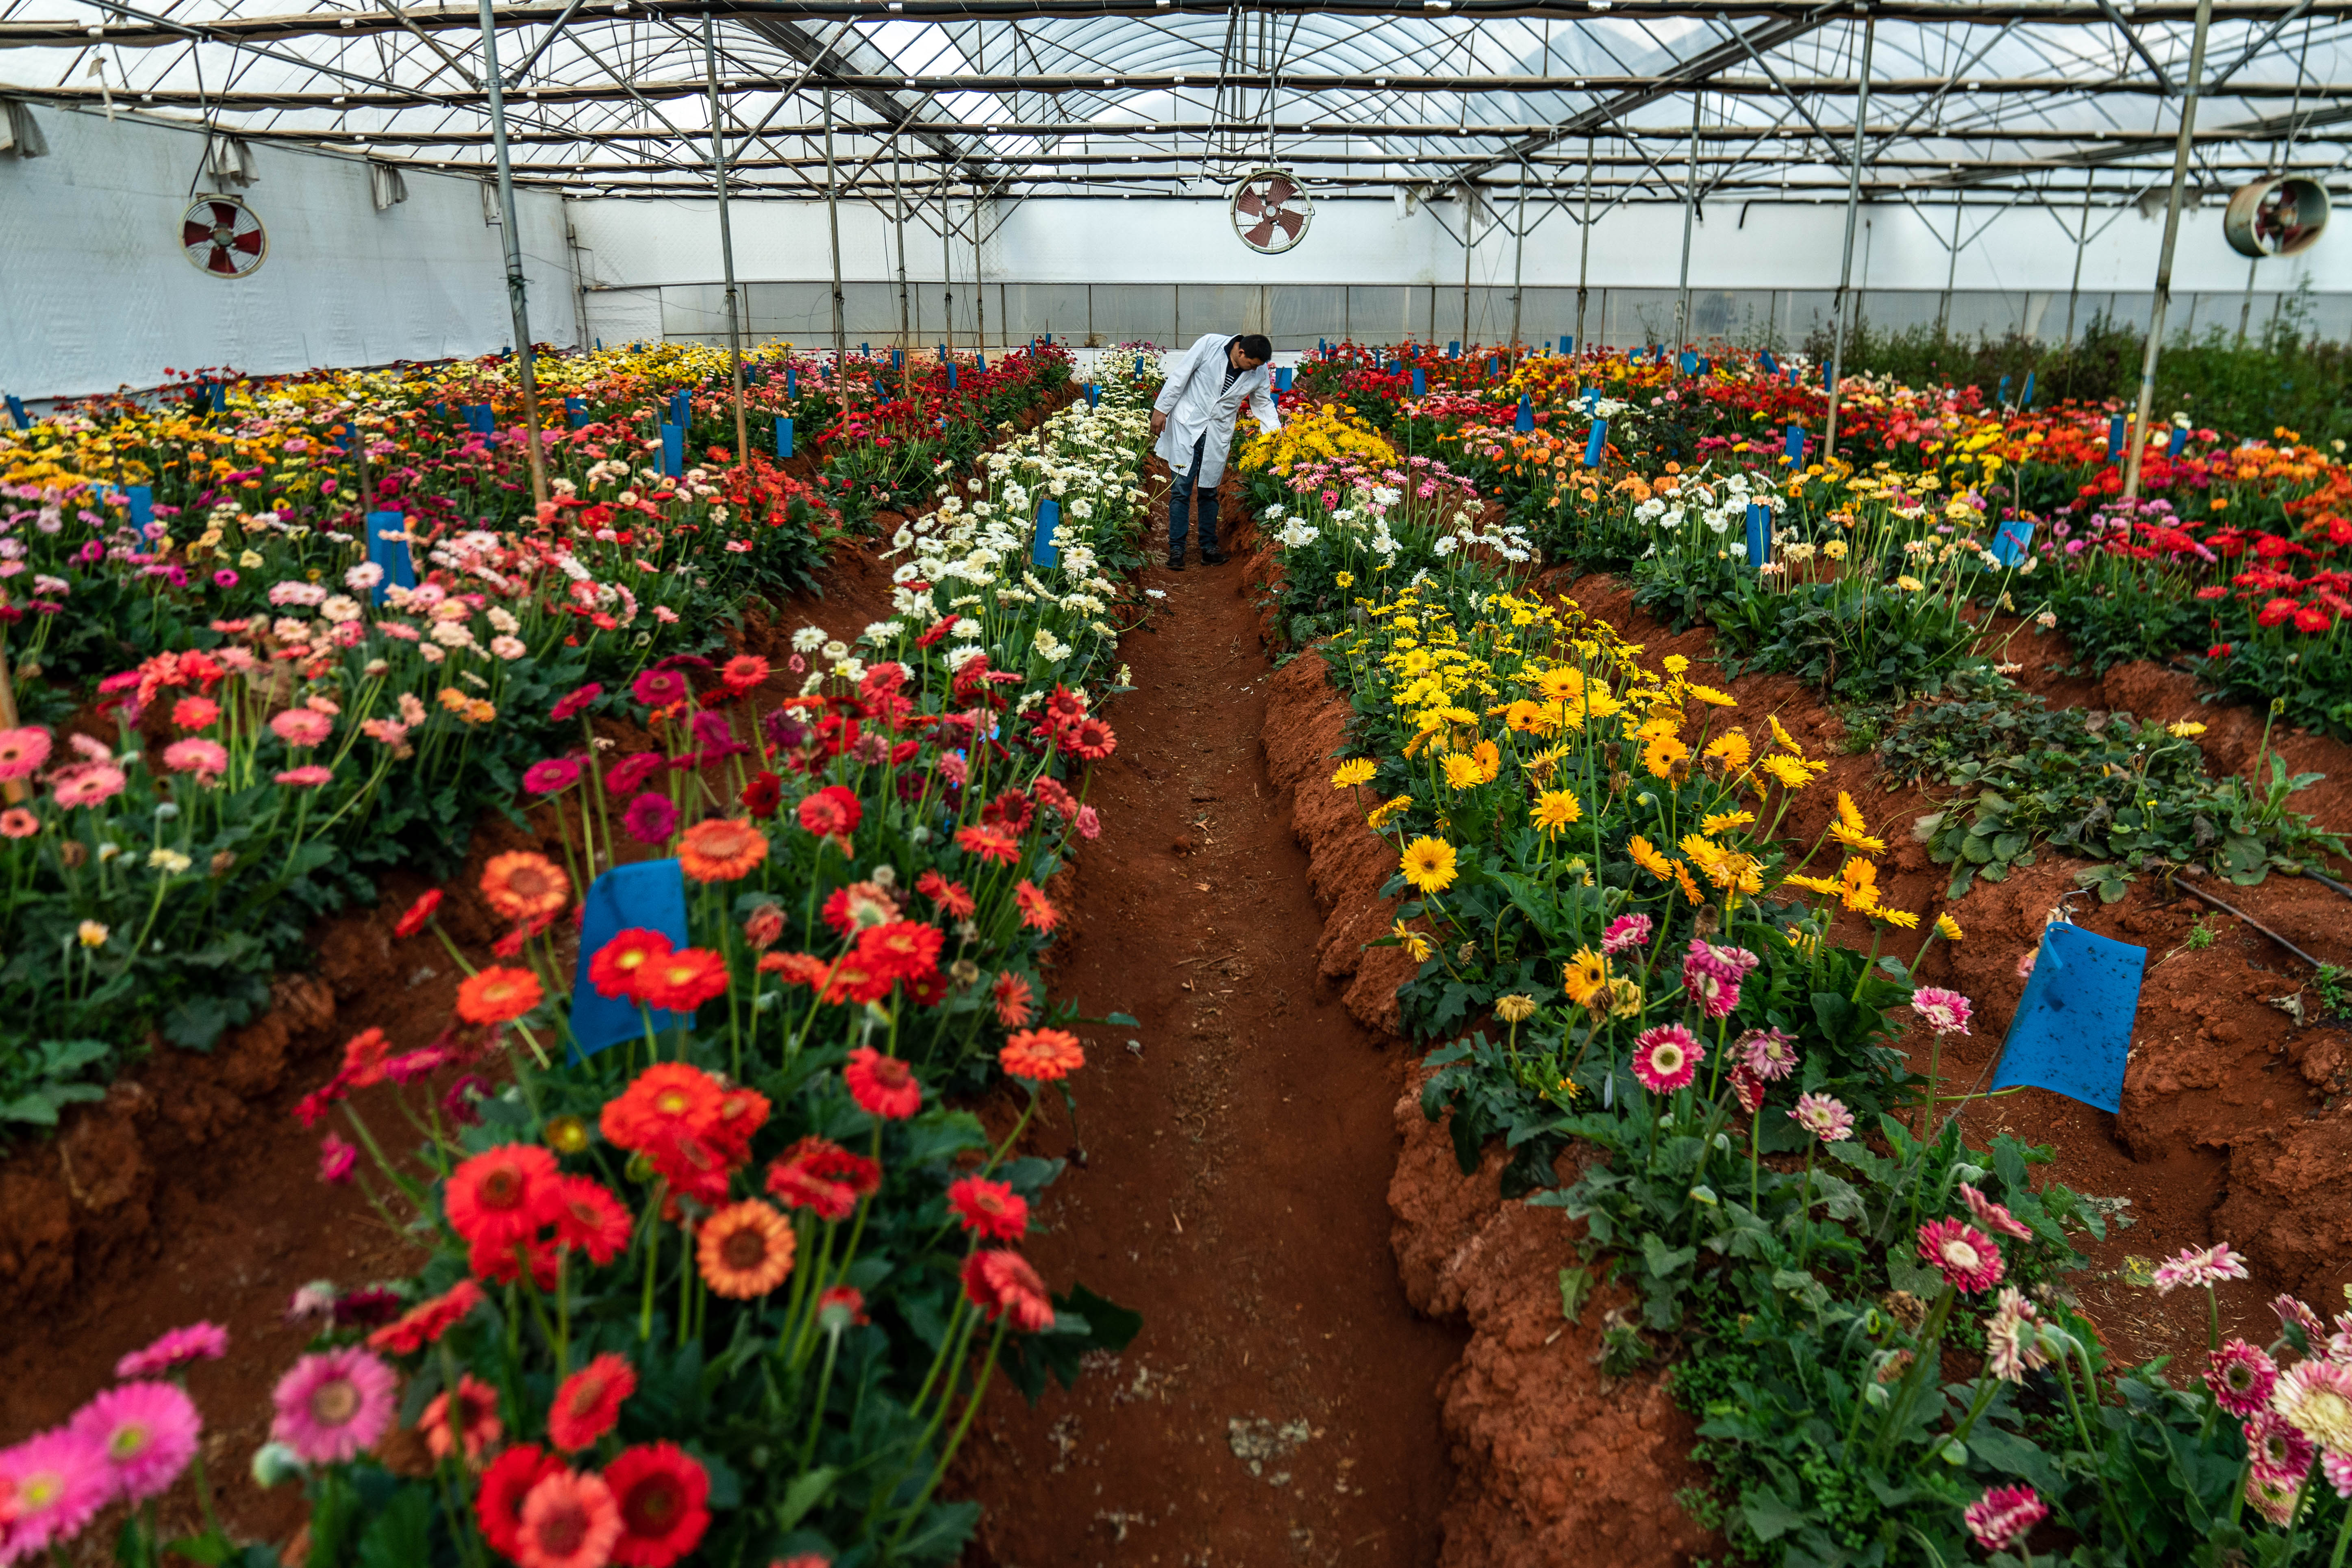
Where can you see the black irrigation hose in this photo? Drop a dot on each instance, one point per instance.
(2198, 892)
(2326, 882)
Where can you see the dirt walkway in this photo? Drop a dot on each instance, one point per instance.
(1280, 1404)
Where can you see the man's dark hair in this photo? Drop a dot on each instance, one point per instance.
(1254, 345)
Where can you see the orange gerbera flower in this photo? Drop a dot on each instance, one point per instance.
(1037, 911)
(668, 1099)
(1042, 1054)
(745, 1249)
(497, 995)
(525, 885)
(721, 850)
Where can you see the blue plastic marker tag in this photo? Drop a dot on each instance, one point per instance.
(2029, 389)
(480, 416)
(1525, 421)
(1596, 444)
(2172, 449)
(142, 504)
(1282, 378)
(897, 360)
(1453, 348)
(1049, 521)
(951, 373)
(2001, 397)
(1094, 395)
(2073, 1030)
(1795, 449)
(1689, 362)
(17, 412)
(649, 895)
(576, 409)
(1770, 365)
(1420, 381)
(784, 436)
(681, 409)
(866, 350)
(979, 360)
(1760, 534)
(2013, 541)
(791, 381)
(387, 542)
(943, 354)
(2115, 437)
(1567, 344)
(673, 451)
(219, 398)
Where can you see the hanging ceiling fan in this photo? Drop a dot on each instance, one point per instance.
(220, 236)
(1271, 212)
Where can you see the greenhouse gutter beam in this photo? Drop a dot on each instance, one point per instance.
(2273, 127)
(70, 33)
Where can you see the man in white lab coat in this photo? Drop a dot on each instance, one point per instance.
(1206, 387)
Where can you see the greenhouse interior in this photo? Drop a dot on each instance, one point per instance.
(1036, 784)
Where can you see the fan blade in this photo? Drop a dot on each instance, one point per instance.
(1262, 235)
(248, 243)
(1247, 202)
(1291, 222)
(192, 234)
(221, 261)
(224, 214)
(1279, 190)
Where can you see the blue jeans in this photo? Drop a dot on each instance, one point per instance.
(1182, 500)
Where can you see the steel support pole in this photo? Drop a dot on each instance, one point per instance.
(947, 260)
(906, 316)
(1469, 222)
(1518, 257)
(1690, 221)
(725, 240)
(2181, 147)
(1584, 260)
(2081, 241)
(1845, 266)
(525, 375)
(832, 223)
(979, 288)
(1951, 271)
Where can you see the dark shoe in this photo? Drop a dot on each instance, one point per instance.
(1175, 560)
(1213, 558)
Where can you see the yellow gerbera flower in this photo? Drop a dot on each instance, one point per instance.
(1829, 884)
(1903, 919)
(1353, 772)
(1662, 752)
(1556, 809)
(1851, 830)
(1559, 684)
(1429, 864)
(1413, 941)
(1462, 772)
(1714, 699)
(1625, 997)
(1725, 821)
(1381, 815)
(1489, 758)
(1689, 887)
(1948, 927)
(1731, 749)
(1790, 772)
(1858, 885)
(1584, 976)
(1646, 857)
(1780, 734)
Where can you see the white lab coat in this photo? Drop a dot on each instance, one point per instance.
(1197, 402)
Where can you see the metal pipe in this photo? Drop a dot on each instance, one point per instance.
(2082, 240)
(1469, 222)
(947, 264)
(1951, 272)
(979, 287)
(2180, 150)
(1518, 256)
(1690, 220)
(898, 224)
(516, 284)
(832, 223)
(726, 240)
(1845, 266)
(1584, 260)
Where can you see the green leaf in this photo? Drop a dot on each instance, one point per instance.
(806, 1491)
(1661, 1260)
(1768, 1516)
(1575, 1289)
(400, 1536)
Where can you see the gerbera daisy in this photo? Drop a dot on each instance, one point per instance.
(904, 949)
(2240, 1377)
(1000, 1282)
(2316, 1396)
(1824, 1116)
(23, 751)
(1585, 976)
(650, 818)
(502, 1195)
(745, 1249)
(1995, 1217)
(1647, 856)
(840, 1308)
(499, 1504)
(474, 1427)
(743, 672)
(1353, 772)
(332, 1405)
(147, 1432)
(1091, 739)
(1968, 1260)
(1556, 809)
(1851, 830)
(425, 1322)
(850, 910)
(615, 969)
(1429, 864)
(668, 1099)
(568, 1519)
(1748, 1089)
(1013, 999)
(55, 1484)
(1042, 1054)
(683, 981)
(499, 995)
(882, 1086)
(660, 1493)
(2001, 1518)
(525, 886)
(1624, 933)
(1666, 1057)
(1037, 911)
(2012, 1338)
(762, 793)
(588, 1217)
(175, 1349)
(660, 688)
(991, 844)
(832, 811)
(954, 900)
(2273, 1498)
(1770, 1053)
(589, 1401)
(2278, 1448)
(2198, 1266)
(721, 849)
(1946, 1012)
(413, 919)
(205, 759)
(988, 1210)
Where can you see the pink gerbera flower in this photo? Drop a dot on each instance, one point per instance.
(194, 754)
(2337, 1469)
(2242, 1378)
(2001, 1518)
(1770, 1053)
(2279, 1450)
(1624, 932)
(311, 775)
(2316, 1398)
(1946, 1012)
(333, 1405)
(1995, 1217)
(2293, 1314)
(196, 1342)
(1667, 1059)
(1824, 1116)
(147, 1433)
(1748, 1089)
(2193, 1267)
(55, 1482)
(23, 751)
(1968, 1260)
(92, 784)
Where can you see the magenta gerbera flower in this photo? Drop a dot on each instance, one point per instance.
(1995, 1217)
(2279, 1450)
(1770, 1053)
(2337, 1469)
(2195, 1265)
(1624, 932)
(1968, 1260)
(56, 1481)
(2001, 1518)
(198, 1341)
(1824, 1116)
(333, 1405)
(2242, 1378)
(650, 819)
(1667, 1059)
(1946, 1012)
(147, 1433)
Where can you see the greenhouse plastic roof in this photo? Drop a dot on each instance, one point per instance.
(2050, 100)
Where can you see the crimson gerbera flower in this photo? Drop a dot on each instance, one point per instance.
(1968, 1260)
(574, 701)
(998, 1282)
(425, 1322)
(905, 950)
(683, 981)
(989, 844)
(764, 794)
(589, 1403)
(508, 1480)
(667, 1099)
(989, 1210)
(616, 968)
(659, 688)
(954, 900)
(1037, 911)
(413, 919)
(832, 811)
(502, 1195)
(820, 1176)
(661, 1492)
(1043, 1054)
(590, 1219)
(1091, 739)
(882, 1086)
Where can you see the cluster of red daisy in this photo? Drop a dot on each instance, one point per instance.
(646, 1508)
(1067, 726)
(643, 966)
(514, 1207)
(695, 1130)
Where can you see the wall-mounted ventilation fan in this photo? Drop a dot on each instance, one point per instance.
(1270, 212)
(2275, 217)
(219, 235)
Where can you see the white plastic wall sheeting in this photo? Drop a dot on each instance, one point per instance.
(95, 291)
(1170, 240)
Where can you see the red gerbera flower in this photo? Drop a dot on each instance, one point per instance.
(832, 811)
(668, 1099)
(1091, 739)
(425, 1322)
(764, 794)
(882, 1086)
(989, 1210)
(590, 1219)
(797, 968)
(743, 672)
(953, 898)
(661, 1492)
(502, 1195)
(999, 1282)
(904, 949)
(499, 995)
(1037, 911)
(685, 980)
(417, 913)
(819, 1174)
(1014, 998)
(589, 1403)
(616, 968)
(508, 1480)
(989, 844)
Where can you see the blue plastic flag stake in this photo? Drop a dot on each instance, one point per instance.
(943, 354)
(951, 375)
(1453, 348)
(1094, 395)
(783, 436)
(1596, 444)
(1049, 521)
(1795, 447)
(649, 895)
(1770, 365)
(1689, 363)
(681, 411)
(388, 548)
(480, 419)
(1591, 398)
(2172, 449)
(1760, 534)
(979, 361)
(2013, 541)
(673, 451)
(17, 412)
(897, 360)
(220, 397)
(600, 345)
(2115, 437)
(866, 350)
(576, 410)
(1494, 365)
(2002, 396)
(1526, 419)
(142, 504)
(2029, 389)
(1567, 344)
(1282, 378)
(1420, 383)
(1827, 383)
(791, 382)
(2073, 1030)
